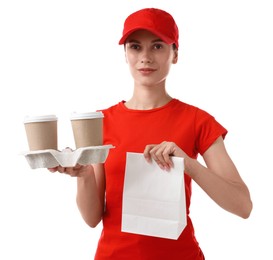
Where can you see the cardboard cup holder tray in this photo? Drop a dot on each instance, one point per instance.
(67, 158)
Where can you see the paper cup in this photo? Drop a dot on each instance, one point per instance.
(41, 132)
(87, 129)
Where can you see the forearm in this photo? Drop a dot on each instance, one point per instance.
(231, 196)
(88, 200)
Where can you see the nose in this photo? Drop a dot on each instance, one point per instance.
(146, 57)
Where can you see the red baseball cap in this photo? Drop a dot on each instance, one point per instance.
(156, 21)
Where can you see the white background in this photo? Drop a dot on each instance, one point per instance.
(60, 56)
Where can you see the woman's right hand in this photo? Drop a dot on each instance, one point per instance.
(76, 171)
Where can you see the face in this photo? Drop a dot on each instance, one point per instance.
(149, 58)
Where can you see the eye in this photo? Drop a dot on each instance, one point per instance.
(134, 46)
(158, 46)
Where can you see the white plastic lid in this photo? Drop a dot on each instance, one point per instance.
(44, 118)
(87, 115)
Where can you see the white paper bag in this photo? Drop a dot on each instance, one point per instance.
(154, 201)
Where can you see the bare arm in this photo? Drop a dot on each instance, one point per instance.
(90, 195)
(220, 179)
(90, 190)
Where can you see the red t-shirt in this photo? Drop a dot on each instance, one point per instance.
(193, 130)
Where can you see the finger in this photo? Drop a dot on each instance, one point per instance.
(53, 169)
(157, 154)
(61, 169)
(161, 154)
(78, 170)
(167, 157)
(146, 153)
(77, 166)
(72, 171)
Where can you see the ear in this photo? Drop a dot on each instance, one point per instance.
(125, 55)
(175, 56)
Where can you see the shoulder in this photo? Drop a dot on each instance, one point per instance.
(114, 112)
(111, 108)
(190, 109)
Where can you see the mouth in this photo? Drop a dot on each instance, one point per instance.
(146, 70)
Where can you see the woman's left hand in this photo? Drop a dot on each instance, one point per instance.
(162, 152)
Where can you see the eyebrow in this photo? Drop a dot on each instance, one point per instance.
(136, 41)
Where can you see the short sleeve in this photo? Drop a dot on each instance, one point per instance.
(207, 130)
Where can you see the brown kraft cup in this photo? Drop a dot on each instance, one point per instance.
(87, 129)
(41, 132)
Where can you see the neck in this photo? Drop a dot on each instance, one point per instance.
(148, 98)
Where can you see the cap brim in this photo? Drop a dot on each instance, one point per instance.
(162, 37)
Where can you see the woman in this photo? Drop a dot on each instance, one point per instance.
(159, 126)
